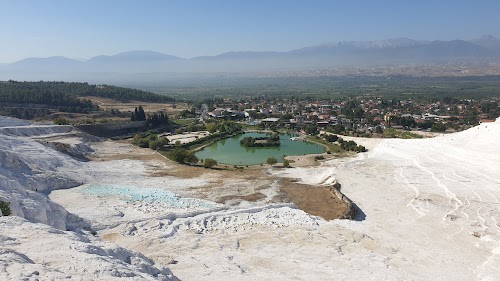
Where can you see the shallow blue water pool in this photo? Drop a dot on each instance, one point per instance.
(132, 193)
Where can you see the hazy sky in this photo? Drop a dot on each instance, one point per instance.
(82, 29)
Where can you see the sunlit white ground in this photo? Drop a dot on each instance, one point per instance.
(430, 210)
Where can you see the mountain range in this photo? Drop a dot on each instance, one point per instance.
(346, 53)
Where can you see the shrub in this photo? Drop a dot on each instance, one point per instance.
(271, 161)
(183, 156)
(144, 143)
(331, 138)
(438, 127)
(209, 163)
(286, 163)
(178, 155)
(5, 208)
(61, 121)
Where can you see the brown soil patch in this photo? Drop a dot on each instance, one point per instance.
(112, 237)
(314, 200)
(251, 197)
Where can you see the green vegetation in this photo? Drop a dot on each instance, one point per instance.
(30, 100)
(351, 146)
(393, 133)
(312, 88)
(337, 129)
(271, 161)
(331, 147)
(5, 208)
(286, 163)
(272, 141)
(311, 130)
(209, 163)
(61, 121)
(330, 138)
(55, 95)
(182, 156)
(340, 145)
(223, 127)
(153, 120)
(138, 114)
(150, 140)
(438, 127)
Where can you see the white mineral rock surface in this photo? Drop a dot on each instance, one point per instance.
(34, 241)
(430, 210)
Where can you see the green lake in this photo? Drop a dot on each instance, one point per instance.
(229, 151)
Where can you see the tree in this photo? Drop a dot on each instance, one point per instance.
(209, 162)
(311, 130)
(331, 138)
(159, 143)
(178, 155)
(438, 127)
(139, 114)
(211, 127)
(191, 158)
(271, 161)
(182, 156)
(286, 163)
(337, 129)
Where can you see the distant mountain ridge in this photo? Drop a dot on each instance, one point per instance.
(395, 51)
(134, 56)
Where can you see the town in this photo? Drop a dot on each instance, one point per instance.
(360, 116)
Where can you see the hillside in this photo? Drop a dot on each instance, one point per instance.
(30, 100)
(67, 93)
(430, 58)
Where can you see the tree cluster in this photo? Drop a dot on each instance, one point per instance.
(138, 114)
(223, 127)
(271, 141)
(183, 156)
(154, 120)
(43, 94)
(438, 127)
(150, 140)
(311, 130)
(351, 146)
(79, 89)
(330, 138)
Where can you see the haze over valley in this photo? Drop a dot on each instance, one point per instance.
(403, 56)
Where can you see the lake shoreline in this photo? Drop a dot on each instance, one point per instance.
(234, 151)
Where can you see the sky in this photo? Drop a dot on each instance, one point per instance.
(188, 28)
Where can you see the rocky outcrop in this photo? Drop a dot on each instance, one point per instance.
(34, 251)
(35, 243)
(350, 211)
